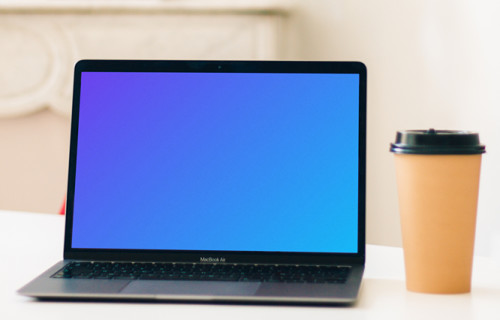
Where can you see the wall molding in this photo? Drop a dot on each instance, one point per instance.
(42, 40)
(261, 7)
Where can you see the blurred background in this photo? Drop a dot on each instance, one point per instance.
(431, 63)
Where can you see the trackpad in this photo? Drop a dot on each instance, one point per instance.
(211, 288)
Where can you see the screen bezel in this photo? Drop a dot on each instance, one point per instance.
(218, 67)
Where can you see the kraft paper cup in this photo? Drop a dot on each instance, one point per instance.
(438, 182)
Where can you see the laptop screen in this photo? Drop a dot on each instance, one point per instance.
(217, 161)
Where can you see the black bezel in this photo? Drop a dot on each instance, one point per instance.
(218, 66)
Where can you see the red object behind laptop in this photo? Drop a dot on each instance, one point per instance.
(63, 208)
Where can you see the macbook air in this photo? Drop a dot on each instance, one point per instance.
(214, 181)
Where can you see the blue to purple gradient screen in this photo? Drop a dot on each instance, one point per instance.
(217, 161)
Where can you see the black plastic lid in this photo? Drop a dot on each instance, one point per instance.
(437, 142)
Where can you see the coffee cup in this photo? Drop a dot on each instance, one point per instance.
(437, 175)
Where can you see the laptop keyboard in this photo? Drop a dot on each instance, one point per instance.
(201, 271)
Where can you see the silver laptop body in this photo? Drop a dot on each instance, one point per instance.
(214, 165)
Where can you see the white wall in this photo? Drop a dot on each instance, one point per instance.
(430, 63)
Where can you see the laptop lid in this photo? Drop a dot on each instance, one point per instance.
(217, 161)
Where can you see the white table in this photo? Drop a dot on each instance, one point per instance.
(31, 242)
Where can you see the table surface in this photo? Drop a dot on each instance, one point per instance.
(32, 242)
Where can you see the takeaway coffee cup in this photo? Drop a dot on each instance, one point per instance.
(438, 182)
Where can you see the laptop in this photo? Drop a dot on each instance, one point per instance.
(214, 181)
